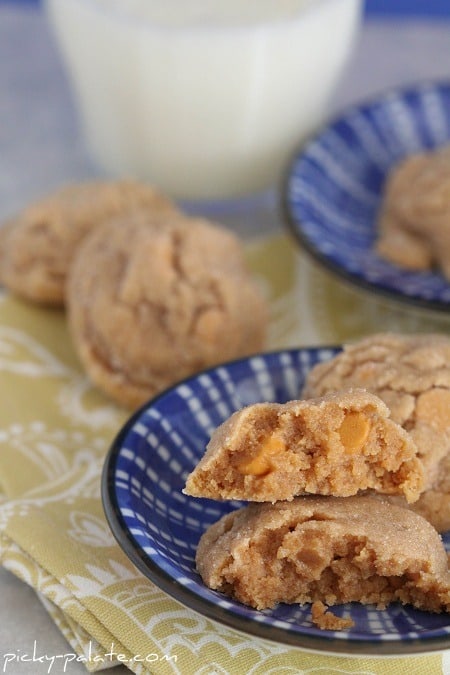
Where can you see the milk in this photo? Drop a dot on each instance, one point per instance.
(205, 99)
(200, 13)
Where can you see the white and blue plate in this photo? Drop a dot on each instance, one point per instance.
(158, 526)
(334, 186)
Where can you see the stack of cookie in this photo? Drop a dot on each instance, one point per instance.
(334, 481)
(152, 296)
(411, 374)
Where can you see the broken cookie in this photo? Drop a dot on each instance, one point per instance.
(327, 549)
(411, 374)
(335, 445)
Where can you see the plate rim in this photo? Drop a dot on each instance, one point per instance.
(294, 226)
(318, 644)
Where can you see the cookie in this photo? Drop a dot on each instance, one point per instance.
(402, 247)
(414, 219)
(326, 549)
(152, 300)
(411, 374)
(38, 245)
(335, 445)
(434, 503)
(326, 620)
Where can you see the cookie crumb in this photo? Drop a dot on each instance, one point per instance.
(324, 619)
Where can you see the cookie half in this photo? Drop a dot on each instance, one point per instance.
(326, 549)
(411, 374)
(335, 445)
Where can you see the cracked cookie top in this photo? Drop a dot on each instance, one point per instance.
(411, 374)
(38, 245)
(157, 298)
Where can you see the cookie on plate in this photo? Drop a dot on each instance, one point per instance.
(414, 221)
(326, 549)
(336, 445)
(152, 300)
(37, 246)
(434, 503)
(411, 373)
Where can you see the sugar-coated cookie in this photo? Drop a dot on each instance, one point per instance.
(414, 230)
(335, 445)
(411, 373)
(330, 550)
(434, 503)
(152, 300)
(37, 246)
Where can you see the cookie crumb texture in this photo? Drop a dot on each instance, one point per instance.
(335, 445)
(153, 300)
(327, 549)
(38, 245)
(411, 374)
(414, 219)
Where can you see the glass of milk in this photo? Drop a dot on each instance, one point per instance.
(206, 99)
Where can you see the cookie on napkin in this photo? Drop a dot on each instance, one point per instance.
(38, 245)
(157, 298)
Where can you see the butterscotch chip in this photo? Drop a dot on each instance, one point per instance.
(261, 463)
(326, 549)
(414, 219)
(39, 244)
(354, 431)
(411, 373)
(335, 445)
(151, 301)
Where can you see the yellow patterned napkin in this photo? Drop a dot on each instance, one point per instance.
(54, 432)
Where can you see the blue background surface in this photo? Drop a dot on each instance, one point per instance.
(430, 8)
(423, 8)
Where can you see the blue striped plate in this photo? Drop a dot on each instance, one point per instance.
(158, 526)
(333, 189)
